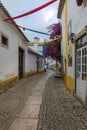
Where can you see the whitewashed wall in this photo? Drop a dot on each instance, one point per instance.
(37, 48)
(63, 44)
(71, 69)
(77, 15)
(79, 20)
(40, 50)
(9, 63)
(34, 47)
(42, 63)
(8, 57)
(31, 62)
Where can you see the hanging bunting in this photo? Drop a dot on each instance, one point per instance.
(44, 42)
(32, 11)
(36, 31)
(18, 26)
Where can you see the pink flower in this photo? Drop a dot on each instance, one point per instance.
(79, 2)
(85, 43)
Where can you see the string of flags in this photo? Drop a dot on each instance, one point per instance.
(36, 31)
(9, 20)
(24, 28)
(44, 42)
(32, 11)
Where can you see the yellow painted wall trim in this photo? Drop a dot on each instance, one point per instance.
(41, 71)
(70, 84)
(68, 80)
(6, 84)
(66, 33)
(31, 73)
(44, 42)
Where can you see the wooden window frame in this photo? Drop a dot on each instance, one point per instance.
(7, 40)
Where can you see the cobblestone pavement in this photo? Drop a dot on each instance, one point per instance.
(59, 109)
(13, 100)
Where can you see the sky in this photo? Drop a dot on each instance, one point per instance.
(38, 21)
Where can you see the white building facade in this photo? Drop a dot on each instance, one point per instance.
(74, 46)
(16, 60)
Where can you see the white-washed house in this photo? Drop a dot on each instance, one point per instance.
(74, 46)
(16, 59)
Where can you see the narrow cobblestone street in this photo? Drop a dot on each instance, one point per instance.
(60, 110)
(16, 103)
(43, 65)
(41, 102)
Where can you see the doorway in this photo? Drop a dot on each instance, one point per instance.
(81, 74)
(21, 63)
(37, 64)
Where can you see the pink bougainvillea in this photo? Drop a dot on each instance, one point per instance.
(79, 2)
(53, 49)
(85, 43)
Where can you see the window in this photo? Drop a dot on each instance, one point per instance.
(4, 40)
(80, 42)
(69, 29)
(84, 74)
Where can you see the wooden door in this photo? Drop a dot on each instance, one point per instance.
(21, 63)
